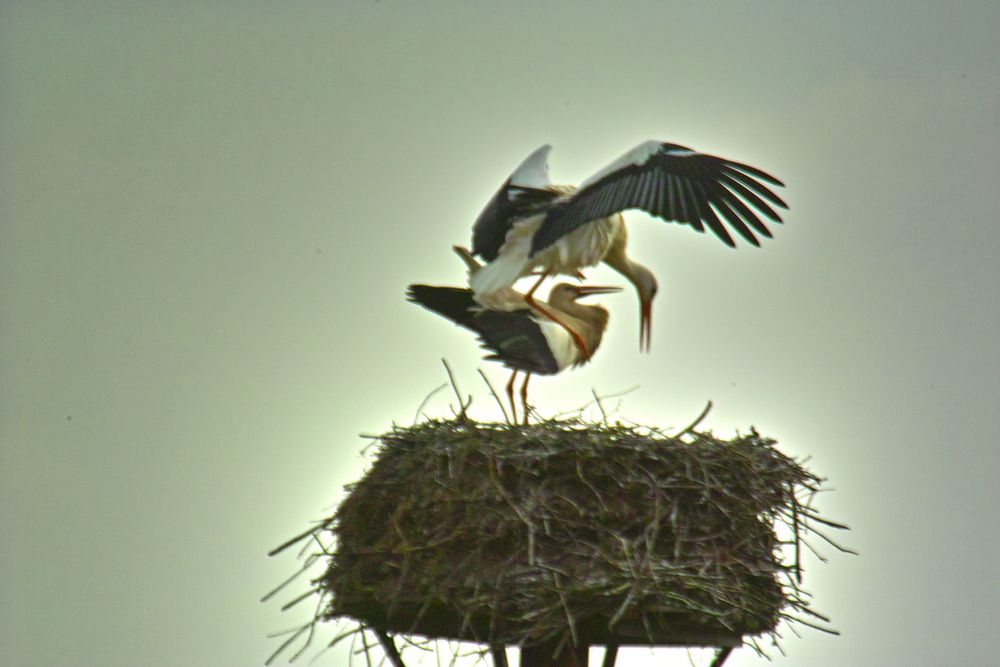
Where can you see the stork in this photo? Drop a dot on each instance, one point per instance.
(532, 224)
(521, 339)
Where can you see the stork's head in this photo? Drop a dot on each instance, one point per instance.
(568, 292)
(645, 285)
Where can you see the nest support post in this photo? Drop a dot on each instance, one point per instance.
(551, 654)
(499, 655)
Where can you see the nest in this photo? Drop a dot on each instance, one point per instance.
(567, 531)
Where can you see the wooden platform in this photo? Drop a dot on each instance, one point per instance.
(441, 622)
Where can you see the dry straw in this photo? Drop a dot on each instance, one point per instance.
(568, 531)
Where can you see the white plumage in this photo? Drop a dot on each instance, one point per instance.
(520, 338)
(532, 225)
(561, 344)
(584, 247)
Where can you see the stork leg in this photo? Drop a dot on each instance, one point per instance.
(510, 398)
(524, 397)
(529, 298)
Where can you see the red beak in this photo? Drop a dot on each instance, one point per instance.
(646, 326)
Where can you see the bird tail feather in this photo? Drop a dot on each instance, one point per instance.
(471, 263)
(500, 273)
(454, 303)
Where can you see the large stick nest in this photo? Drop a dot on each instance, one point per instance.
(592, 533)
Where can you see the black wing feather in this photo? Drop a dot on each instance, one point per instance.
(751, 198)
(744, 212)
(702, 203)
(513, 337)
(677, 185)
(756, 186)
(752, 171)
(732, 217)
(509, 204)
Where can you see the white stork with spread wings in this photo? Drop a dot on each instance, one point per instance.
(532, 224)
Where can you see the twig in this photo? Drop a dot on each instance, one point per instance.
(289, 605)
(497, 398)
(581, 409)
(795, 531)
(829, 631)
(364, 643)
(428, 397)
(463, 405)
(495, 478)
(692, 425)
(298, 538)
(812, 516)
(597, 399)
(289, 641)
(312, 632)
(565, 605)
(339, 638)
(308, 564)
(830, 541)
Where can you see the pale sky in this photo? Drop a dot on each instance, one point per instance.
(209, 213)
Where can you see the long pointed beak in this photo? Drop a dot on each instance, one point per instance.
(589, 290)
(646, 326)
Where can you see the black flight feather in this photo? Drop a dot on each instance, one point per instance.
(677, 185)
(514, 337)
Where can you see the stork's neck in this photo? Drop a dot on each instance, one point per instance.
(587, 321)
(618, 260)
(593, 317)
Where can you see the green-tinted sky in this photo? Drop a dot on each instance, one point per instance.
(209, 212)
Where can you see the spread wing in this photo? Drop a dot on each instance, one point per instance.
(676, 184)
(513, 337)
(527, 189)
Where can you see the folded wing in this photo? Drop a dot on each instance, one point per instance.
(514, 338)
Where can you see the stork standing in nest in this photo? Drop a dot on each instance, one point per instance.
(521, 339)
(531, 224)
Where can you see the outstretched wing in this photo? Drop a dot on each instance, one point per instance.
(674, 183)
(527, 189)
(513, 337)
